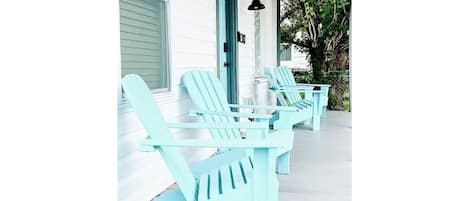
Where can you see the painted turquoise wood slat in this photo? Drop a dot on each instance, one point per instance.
(214, 188)
(204, 180)
(205, 103)
(246, 169)
(236, 174)
(209, 98)
(282, 83)
(288, 80)
(203, 187)
(226, 183)
(233, 114)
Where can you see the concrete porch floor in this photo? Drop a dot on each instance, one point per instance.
(321, 162)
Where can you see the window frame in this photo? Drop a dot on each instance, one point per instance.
(166, 44)
(168, 56)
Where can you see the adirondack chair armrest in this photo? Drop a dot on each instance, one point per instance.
(231, 114)
(251, 125)
(297, 88)
(313, 85)
(275, 90)
(152, 145)
(301, 89)
(267, 107)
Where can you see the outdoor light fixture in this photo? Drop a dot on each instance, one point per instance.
(256, 5)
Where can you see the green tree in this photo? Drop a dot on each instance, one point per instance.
(319, 28)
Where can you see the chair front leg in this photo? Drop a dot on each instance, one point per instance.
(323, 112)
(265, 180)
(324, 100)
(317, 108)
(283, 163)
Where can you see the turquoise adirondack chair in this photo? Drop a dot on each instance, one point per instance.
(230, 176)
(285, 78)
(314, 103)
(209, 98)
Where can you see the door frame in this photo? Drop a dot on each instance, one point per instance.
(227, 23)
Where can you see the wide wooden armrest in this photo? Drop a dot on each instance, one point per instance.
(232, 114)
(267, 107)
(152, 145)
(314, 85)
(251, 125)
(297, 88)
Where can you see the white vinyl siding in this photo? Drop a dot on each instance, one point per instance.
(144, 41)
(246, 54)
(192, 46)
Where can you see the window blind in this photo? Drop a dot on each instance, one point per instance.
(144, 41)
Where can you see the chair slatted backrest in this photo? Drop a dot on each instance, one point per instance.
(207, 94)
(272, 78)
(142, 101)
(285, 78)
(273, 81)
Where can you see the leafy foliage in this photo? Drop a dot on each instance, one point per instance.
(339, 93)
(319, 28)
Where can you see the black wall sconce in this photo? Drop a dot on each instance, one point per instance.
(256, 5)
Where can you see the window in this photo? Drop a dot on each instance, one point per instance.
(144, 43)
(285, 54)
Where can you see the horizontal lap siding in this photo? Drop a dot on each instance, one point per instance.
(141, 176)
(246, 68)
(194, 34)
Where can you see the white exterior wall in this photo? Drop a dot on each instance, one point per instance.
(298, 60)
(268, 34)
(246, 52)
(193, 45)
